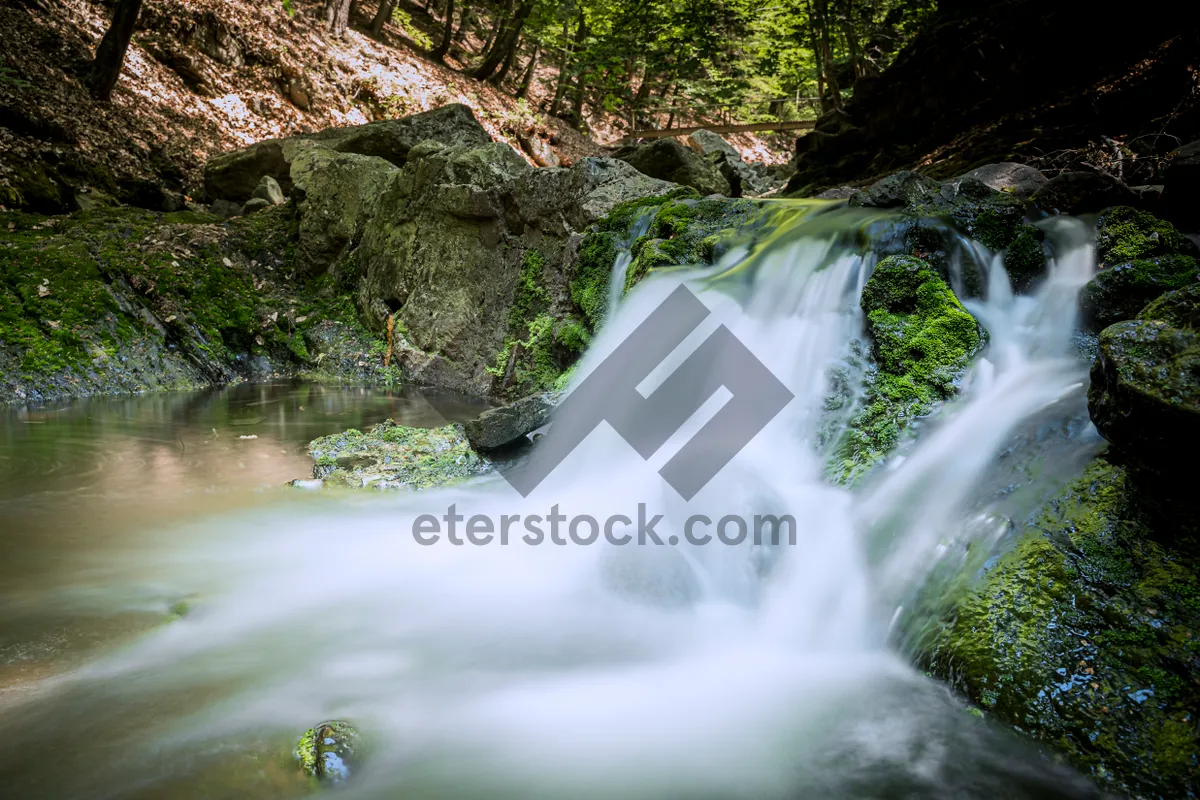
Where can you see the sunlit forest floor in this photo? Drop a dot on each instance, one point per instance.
(176, 105)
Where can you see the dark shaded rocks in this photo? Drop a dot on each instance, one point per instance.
(329, 752)
(898, 191)
(507, 424)
(1119, 293)
(668, 160)
(1019, 180)
(1125, 234)
(1081, 193)
(226, 209)
(268, 189)
(255, 204)
(1145, 382)
(1181, 187)
(744, 179)
(235, 175)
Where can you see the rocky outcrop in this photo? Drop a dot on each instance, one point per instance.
(668, 160)
(923, 341)
(744, 179)
(1080, 632)
(234, 176)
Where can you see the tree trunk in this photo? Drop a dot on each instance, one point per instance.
(530, 68)
(337, 16)
(506, 67)
(386, 7)
(439, 55)
(561, 88)
(505, 43)
(110, 55)
(816, 51)
(500, 24)
(464, 24)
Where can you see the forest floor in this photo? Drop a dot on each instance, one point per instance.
(243, 71)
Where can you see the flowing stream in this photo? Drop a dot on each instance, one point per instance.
(594, 671)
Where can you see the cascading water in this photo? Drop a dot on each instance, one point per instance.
(574, 671)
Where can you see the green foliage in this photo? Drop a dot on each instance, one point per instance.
(403, 20)
(8, 77)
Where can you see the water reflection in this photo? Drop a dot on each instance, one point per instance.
(78, 479)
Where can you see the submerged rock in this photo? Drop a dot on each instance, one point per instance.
(923, 341)
(329, 751)
(1082, 633)
(394, 456)
(668, 160)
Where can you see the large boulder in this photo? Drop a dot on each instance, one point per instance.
(507, 424)
(1125, 234)
(1119, 293)
(234, 175)
(668, 160)
(1181, 187)
(743, 178)
(1019, 180)
(1080, 631)
(1145, 389)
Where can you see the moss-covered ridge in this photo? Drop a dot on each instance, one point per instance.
(923, 341)
(120, 299)
(395, 456)
(1085, 633)
(680, 229)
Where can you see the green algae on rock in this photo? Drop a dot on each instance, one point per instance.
(923, 342)
(394, 456)
(1124, 234)
(329, 751)
(1119, 293)
(1084, 634)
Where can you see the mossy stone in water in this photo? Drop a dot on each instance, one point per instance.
(923, 342)
(1121, 292)
(395, 456)
(1124, 234)
(329, 751)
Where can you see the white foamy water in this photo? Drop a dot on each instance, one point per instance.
(599, 671)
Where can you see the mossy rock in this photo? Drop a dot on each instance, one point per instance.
(394, 456)
(329, 752)
(1124, 234)
(1085, 634)
(923, 341)
(1120, 293)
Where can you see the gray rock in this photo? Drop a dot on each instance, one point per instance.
(1081, 193)
(497, 427)
(668, 160)
(225, 208)
(235, 175)
(1019, 180)
(902, 189)
(837, 193)
(269, 189)
(255, 204)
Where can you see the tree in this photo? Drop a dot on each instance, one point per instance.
(110, 55)
(505, 42)
(530, 68)
(439, 55)
(386, 8)
(337, 16)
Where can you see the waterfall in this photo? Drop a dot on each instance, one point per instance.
(700, 671)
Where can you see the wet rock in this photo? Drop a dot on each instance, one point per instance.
(502, 426)
(235, 175)
(1081, 193)
(838, 193)
(268, 189)
(923, 342)
(1181, 187)
(1079, 631)
(330, 751)
(1119, 293)
(668, 160)
(1019, 180)
(392, 456)
(1145, 381)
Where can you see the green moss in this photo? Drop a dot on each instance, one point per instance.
(923, 342)
(1025, 257)
(392, 456)
(1124, 234)
(1121, 292)
(1083, 633)
(531, 296)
